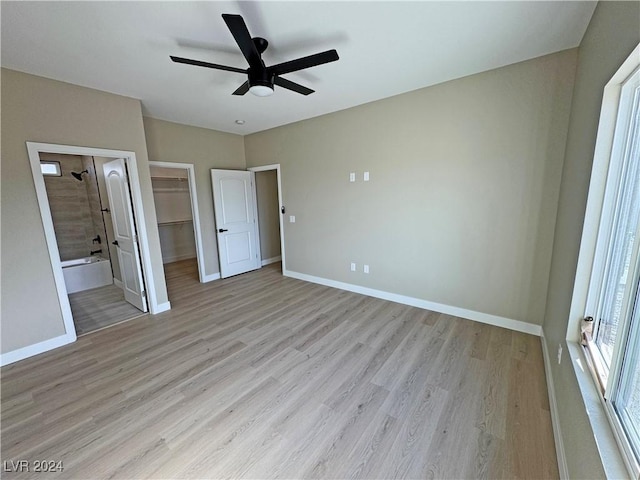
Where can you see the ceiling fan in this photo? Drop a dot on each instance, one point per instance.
(261, 79)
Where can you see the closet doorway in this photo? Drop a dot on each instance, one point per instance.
(174, 194)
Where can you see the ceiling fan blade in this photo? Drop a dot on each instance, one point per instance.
(242, 89)
(241, 34)
(293, 86)
(304, 62)
(198, 63)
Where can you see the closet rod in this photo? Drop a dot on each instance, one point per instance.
(182, 179)
(169, 190)
(177, 222)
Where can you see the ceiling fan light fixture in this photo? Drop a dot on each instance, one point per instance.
(261, 79)
(261, 90)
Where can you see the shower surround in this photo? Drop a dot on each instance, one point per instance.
(75, 208)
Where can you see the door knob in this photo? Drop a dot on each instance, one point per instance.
(115, 242)
(223, 230)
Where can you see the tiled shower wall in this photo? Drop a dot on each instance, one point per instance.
(75, 208)
(95, 205)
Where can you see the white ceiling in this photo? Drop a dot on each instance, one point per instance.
(385, 48)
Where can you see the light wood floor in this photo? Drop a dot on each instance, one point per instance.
(99, 308)
(261, 376)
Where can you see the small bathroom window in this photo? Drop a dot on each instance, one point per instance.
(50, 168)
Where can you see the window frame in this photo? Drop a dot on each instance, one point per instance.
(51, 162)
(608, 221)
(598, 224)
(632, 347)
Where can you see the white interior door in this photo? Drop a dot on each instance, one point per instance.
(115, 176)
(236, 224)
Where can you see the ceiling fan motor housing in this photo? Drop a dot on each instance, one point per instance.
(260, 77)
(260, 43)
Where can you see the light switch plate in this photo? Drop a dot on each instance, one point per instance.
(353, 266)
(366, 176)
(352, 177)
(365, 269)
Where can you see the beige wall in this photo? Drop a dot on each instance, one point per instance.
(268, 213)
(460, 208)
(42, 110)
(206, 149)
(611, 36)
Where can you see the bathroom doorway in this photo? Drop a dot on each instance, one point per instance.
(78, 218)
(83, 224)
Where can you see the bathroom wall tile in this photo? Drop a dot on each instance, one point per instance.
(75, 208)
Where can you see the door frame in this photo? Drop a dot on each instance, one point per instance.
(195, 212)
(34, 149)
(276, 167)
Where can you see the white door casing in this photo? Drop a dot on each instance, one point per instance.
(276, 168)
(195, 214)
(235, 209)
(115, 176)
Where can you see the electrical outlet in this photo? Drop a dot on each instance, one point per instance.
(559, 353)
(292, 219)
(353, 266)
(366, 176)
(365, 269)
(352, 177)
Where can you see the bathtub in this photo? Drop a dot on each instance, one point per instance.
(86, 273)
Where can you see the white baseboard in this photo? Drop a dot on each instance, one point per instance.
(117, 283)
(269, 261)
(159, 308)
(216, 276)
(503, 322)
(555, 415)
(36, 349)
(211, 277)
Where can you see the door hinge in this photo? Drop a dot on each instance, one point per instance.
(135, 238)
(144, 294)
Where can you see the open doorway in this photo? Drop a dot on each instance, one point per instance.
(83, 224)
(248, 218)
(96, 208)
(175, 197)
(270, 208)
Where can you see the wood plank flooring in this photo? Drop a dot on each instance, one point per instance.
(99, 308)
(262, 376)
